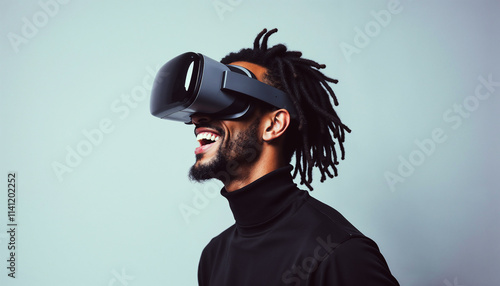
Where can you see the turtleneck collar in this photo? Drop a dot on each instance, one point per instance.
(261, 202)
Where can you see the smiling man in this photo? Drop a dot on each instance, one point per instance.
(279, 105)
(228, 151)
(240, 157)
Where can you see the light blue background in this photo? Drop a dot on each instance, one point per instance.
(115, 219)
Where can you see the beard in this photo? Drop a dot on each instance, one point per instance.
(243, 150)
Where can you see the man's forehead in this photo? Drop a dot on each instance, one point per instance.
(258, 70)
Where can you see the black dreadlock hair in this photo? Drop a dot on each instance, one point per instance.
(312, 136)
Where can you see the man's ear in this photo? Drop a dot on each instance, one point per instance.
(276, 123)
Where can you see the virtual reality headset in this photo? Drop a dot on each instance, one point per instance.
(193, 83)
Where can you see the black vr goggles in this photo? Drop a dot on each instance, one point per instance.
(193, 83)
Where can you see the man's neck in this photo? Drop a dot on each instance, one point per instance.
(248, 174)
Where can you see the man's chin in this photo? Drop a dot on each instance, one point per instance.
(201, 171)
(212, 167)
(199, 174)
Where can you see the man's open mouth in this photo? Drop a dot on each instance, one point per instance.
(206, 138)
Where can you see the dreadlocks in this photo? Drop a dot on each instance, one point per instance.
(312, 136)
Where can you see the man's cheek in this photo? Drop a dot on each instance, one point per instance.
(250, 154)
(252, 151)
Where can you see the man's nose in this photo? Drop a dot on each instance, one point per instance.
(199, 118)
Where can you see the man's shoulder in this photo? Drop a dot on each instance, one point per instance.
(321, 218)
(312, 221)
(220, 240)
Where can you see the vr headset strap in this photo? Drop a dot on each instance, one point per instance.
(243, 84)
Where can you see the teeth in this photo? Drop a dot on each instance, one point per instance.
(207, 136)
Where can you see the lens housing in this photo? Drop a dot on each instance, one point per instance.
(193, 83)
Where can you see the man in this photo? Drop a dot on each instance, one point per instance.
(281, 235)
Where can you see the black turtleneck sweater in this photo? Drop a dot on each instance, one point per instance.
(283, 236)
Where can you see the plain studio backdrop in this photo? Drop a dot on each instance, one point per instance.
(102, 194)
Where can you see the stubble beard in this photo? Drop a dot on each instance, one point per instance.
(241, 151)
